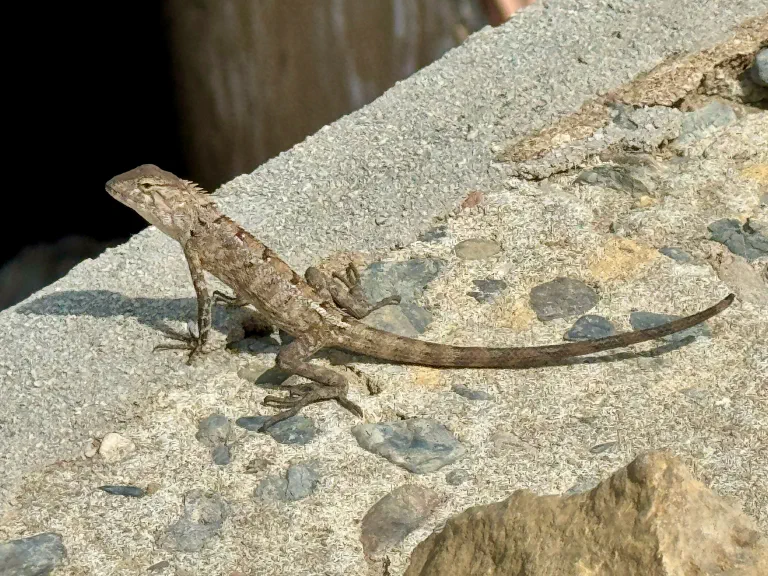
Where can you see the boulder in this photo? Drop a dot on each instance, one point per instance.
(651, 518)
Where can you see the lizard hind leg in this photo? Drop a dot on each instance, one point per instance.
(347, 292)
(327, 384)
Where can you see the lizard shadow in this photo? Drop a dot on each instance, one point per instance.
(155, 313)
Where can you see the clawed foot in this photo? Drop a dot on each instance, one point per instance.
(303, 395)
(189, 342)
(361, 307)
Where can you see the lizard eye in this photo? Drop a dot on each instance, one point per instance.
(145, 185)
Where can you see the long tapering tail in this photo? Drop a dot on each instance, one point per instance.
(366, 340)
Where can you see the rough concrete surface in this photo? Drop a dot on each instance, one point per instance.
(76, 360)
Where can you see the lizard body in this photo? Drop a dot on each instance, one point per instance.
(317, 312)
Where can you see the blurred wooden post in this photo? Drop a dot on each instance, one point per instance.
(255, 77)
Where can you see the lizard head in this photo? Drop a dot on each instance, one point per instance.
(161, 198)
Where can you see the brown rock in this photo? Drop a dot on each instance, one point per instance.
(395, 516)
(740, 277)
(650, 518)
(473, 199)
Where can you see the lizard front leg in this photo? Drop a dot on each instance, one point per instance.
(346, 292)
(327, 384)
(195, 343)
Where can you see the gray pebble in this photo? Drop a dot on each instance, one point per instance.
(642, 320)
(300, 481)
(394, 516)
(257, 465)
(456, 477)
(621, 116)
(251, 423)
(294, 430)
(562, 297)
(676, 254)
(271, 488)
(623, 178)
(470, 394)
(476, 249)
(214, 430)
(221, 455)
(590, 327)
(156, 567)
(759, 70)
(604, 447)
(204, 514)
(487, 290)
(436, 233)
(741, 240)
(699, 123)
(132, 491)
(33, 556)
(406, 279)
(408, 319)
(419, 444)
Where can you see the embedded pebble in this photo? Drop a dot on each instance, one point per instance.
(159, 566)
(214, 430)
(302, 480)
(676, 254)
(115, 447)
(408, 319)
(294, 430)
(456, 477)
(406, 279)
(741, 240)
(32, 556)
(299, 482)
(600, 448)
(487, 290)
(394, 516)
(419, 444)
(132, 491)
(699, 123)
(590, 327)
(203, 516)
(476, 249)
(252, 423)
(562, 297)
(436, 233)
(759, 70)
(257, 465)
(470, 394)
(741, 278)
(642, 320)
(622, 178)
(221, 455)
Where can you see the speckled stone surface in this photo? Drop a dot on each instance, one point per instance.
(76, 359)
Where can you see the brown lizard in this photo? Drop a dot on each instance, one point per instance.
(317, 312)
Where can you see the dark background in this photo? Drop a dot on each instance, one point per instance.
(97, 89)
(95, 100)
